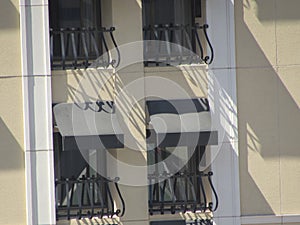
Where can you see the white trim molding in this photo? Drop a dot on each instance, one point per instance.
(222, 76)
(37, 112)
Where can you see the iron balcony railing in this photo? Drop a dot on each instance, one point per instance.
(72, 48)
(181, 192)
(177, 44)
(87, 197)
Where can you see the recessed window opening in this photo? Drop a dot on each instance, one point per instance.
(174, 24)
(77, 37)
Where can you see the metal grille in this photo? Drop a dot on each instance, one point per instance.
(177, 44)
(87, 197)
(181, 192)
(73, 48)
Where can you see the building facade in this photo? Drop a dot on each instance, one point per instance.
(52, 64)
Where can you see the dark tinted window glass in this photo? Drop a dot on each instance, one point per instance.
(75, 13)
(162, 12)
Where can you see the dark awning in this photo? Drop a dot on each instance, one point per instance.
(182, 122)
(89, 125)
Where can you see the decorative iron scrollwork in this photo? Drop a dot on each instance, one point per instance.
(72, 48)
(181, 192)
(177, 44)
(87, 197)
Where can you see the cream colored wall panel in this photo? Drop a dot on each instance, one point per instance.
(129, 29)
(288, 32)
(227, 221)
(255, 36)
(12, 168)
(258, 141)
(289, 126)
(129, 64)
(290, 182)
(87, 221)
(141, 222)
(132, 164)
(12, 193)
(82, 85)
(262, 224)
(11, 110)
(10, 53)
(127, 18)
(289, 83)
(135, 198)
(131, 108)
(176, 82)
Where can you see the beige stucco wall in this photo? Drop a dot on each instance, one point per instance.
(268, 65)
(12, 169)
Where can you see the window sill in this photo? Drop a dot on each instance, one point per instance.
(184, 67)
(81, 71)
(188, 216)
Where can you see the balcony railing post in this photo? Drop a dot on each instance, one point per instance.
(63, 53)
(84, 45)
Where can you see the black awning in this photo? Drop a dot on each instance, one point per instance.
(180, 122)
(89, 125)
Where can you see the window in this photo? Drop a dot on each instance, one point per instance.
(82, 188)
(178, 133)
(75, 14)
(173, 23)
(80, 191)
(185, 190)
(76, 35)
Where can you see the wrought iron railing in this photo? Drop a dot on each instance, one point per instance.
(181, 192)
(72, 48)
(87, 197)
(177, 44)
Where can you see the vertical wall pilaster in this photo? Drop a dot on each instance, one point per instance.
(37, 111)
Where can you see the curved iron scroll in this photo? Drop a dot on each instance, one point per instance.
(72, 48)
(214, 192)
(206, 58)
(87, 197)
(181, 192)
